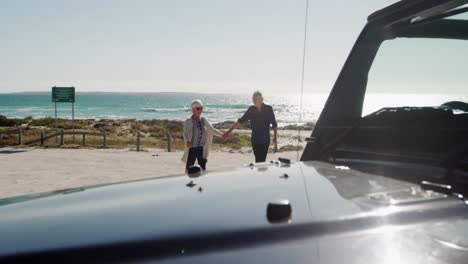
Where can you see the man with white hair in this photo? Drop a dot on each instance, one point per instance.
(261, 116)
(198, 137)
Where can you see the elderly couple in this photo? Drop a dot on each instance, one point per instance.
(198, 132)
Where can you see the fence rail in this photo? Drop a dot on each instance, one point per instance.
(168, 142)
(63, 133)
(18, 131)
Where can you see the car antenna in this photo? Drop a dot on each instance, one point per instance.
(302, 76)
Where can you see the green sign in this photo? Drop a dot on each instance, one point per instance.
(63, 94)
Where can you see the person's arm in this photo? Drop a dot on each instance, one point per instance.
(188, 134)
(275, 130)
(244, 118)
(235, 126)
(215, 131)
(275, 138)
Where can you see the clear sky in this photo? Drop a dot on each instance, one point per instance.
(214, 46)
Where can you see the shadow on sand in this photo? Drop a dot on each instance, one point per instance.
(11, 151)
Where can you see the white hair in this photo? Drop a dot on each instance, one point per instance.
(196, 103)
(257, 93)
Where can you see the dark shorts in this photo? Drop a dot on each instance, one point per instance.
(196, 153)
(260, 151)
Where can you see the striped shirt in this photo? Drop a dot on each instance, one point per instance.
(198, 133)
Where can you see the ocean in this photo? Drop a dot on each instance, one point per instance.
(176, 106)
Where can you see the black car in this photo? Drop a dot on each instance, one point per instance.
(386, 187)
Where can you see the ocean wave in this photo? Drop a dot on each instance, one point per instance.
(165, 110)
(114, 117)
(188, 109)
(227, 106)
(25, 109)
(97, 107)
(206, 110)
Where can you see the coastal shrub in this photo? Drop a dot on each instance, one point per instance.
(4, 121)
(144, 129)
(176, 144)
(157, 131)
(296, 138)
(236, 141)
(152, 122)
(61, 123)
(174, 126)
(159, 128)
(137, 126)
(306, 126)
(228, 124)
(46, 121)
(290, 148)
(66, 125)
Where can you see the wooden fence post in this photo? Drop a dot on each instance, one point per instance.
(42, 137)
(138, 141)
(62, 139)
(20, 136)
(168, 139)
(104, 139)
(84, 139)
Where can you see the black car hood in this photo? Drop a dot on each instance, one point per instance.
(322, 196)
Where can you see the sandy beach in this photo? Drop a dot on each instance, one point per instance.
(33, 170)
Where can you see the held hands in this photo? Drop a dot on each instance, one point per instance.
(189, 144)
(226, 136)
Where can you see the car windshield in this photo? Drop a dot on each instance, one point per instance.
(415, 110)
(462, 15)
(418, 72)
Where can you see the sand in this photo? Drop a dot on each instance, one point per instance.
(34, 170)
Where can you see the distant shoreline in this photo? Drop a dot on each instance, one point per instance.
(164, 92)
(242, 93)
(101, 92)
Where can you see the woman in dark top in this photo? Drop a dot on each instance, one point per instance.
(261, 116)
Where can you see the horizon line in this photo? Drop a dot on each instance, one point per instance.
(136, 92)
(217, 93)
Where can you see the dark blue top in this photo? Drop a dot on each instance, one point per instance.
(260, 123)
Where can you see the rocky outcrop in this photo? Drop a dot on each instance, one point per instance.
(228, 124)
(306, 126)
(289, 148)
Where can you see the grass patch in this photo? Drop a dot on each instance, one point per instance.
(236, 141)
(120, 133)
